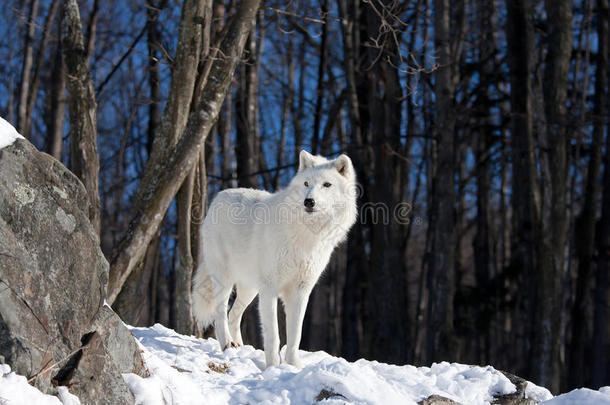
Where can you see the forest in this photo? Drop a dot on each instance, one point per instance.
(478, 131)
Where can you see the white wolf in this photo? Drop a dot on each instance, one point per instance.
(274, 245)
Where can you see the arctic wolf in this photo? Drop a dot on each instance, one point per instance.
(273, 245)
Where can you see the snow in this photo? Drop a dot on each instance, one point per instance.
(186, 370)
(582, 396)
(15, 390)
(538, 394)
(8, 133)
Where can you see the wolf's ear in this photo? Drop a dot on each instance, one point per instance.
(344, 166)
(306, 160)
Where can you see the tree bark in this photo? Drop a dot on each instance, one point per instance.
(135, 304)
(525, 199)
(442, 212)
(586, 228)
(164, 133)
(321, 86)
(483, 238)
(185, 262)
(288, 100)
(26, 70)
(246, 118)
(56, 105)
(92, 29)
(599, 363)
(84, 160)
(167, 176)
(547, 336)
(387, 282)
(184, 75)
(135, 301)
(154, 81)
(352, 302)
(40, 60)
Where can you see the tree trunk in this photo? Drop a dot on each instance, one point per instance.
(92, 28)
(40, 60)
(599, 363)
(387, 281)
(135, 304)
(586, 229)
(246, 118)
(154, 81)
(352, 303)
(26, 70)
(135, 301)
(185, 264)
(184, 75)
(184, 257)
(483, 252)
(321, 86)
(164, 132)
(525, 199)
(546, 344)
(82, 109)
(166, 177)
(56, 105)
(442, 212)
(288, 100)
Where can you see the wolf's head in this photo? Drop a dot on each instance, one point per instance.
(324, 191)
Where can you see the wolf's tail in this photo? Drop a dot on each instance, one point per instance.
(204, 298)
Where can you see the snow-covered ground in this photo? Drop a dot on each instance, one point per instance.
(234, 376)
(15, 390)
(187, 370)
(8, 133)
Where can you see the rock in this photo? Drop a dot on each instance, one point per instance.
(53, 275)
(516, 398)
(437, 400)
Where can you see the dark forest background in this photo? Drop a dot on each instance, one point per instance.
(479, 131)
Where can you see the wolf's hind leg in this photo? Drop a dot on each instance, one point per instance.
(243, 298)
(222, 291)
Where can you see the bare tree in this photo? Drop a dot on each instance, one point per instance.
(159, 188)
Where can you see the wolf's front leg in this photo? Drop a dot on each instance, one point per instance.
(267, 306)
(295, 304)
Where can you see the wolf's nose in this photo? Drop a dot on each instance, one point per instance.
(309, 202)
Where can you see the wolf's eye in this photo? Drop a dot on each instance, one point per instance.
(306, 184)
(327, 184)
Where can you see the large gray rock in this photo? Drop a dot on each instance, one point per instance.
(54, 327)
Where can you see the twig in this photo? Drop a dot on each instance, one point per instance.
(288, 13)
(49, 367)
(125, 55)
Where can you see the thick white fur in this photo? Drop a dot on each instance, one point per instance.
(268, 244)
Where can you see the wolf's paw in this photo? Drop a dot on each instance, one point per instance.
(294, 360)
(231, 344)
(272, 360)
